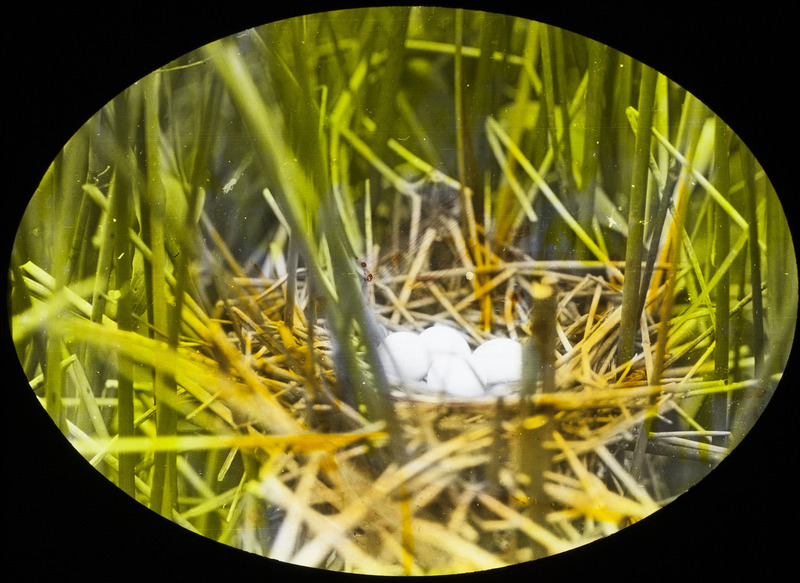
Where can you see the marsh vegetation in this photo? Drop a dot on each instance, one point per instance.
(202, 282)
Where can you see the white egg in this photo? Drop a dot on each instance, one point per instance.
(458, 376)
(501, 358)
(404, 357)
(440, 340)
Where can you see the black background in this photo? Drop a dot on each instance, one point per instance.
(64, 63)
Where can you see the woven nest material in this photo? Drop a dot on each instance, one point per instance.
(445, 491)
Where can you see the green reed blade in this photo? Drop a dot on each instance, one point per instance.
(636, 217)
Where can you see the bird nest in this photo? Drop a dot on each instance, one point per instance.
(443, 484)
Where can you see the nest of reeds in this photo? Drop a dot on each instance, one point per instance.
(443, 484)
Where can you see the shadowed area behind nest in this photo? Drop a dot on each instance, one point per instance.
(439, 209)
